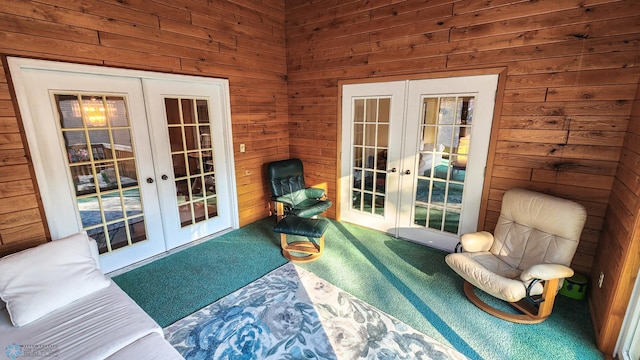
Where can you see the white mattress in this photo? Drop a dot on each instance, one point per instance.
(150, 347)
(93, 327)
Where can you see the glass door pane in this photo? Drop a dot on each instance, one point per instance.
(101, 160)
(443, 149)
(192, 156)
(370, 144)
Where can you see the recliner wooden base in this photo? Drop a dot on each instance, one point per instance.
(312, 250)
(531, 314)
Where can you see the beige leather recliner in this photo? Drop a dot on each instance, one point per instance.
(527, 257)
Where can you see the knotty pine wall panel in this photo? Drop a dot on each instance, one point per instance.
(618, 252)
(241, 40)
(572, 73)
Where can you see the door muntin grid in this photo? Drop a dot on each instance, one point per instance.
(192, 154)
(96, 135)
(443, 150)
(369, 154)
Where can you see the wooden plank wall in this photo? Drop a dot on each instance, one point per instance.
(242, 40)
(618, 254)
(572, 71)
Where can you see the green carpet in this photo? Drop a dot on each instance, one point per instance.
(406, 280)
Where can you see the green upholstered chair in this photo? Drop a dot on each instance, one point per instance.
(292, 197)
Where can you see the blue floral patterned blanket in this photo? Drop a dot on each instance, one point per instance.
(292, 314)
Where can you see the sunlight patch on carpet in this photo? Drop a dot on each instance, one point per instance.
(292, 313)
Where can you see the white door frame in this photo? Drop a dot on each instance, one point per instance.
(17, 65)
(483, 86)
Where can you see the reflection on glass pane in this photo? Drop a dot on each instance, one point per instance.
(371, 110)
(210, 185)
(191, 137)
(89, 211)
(112, 207)
(447, 111)
(370, 155)
(454, 197)
(358, 134)
(132, 203)
(107, 179)
(98, 235)
(368, 203)
(422, 192)
(83, 180)
(358, 154)
(358, 110)
(420, 216)
(212, 207)
(383, 135)
(355, 200)
(117, 235)
(205, 137)
(77, 153)
(199, 211)
(465, 109)
(128, 175)
(438, 192)
(370, 135)
(384, 110)
(368, 180)
(185, 215)
(94, 111)
(187, 111)
(69, 111)
(137, 229)
(381, 180)
(122, 140)
(194, 163)
(172, 110)
(429, 142)
(381, 159)
(435, 218)
(203, 111)
(117, 111)
(379, 210)
(175, 139)
(182, 191)
(179, 165)
(430, 111)
(100, 144)
(452, 222)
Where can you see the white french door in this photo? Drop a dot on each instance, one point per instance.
(426, 185)
(106, 161)
(192, 151)
(371, 153)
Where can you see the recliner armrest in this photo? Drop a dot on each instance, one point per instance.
(283, 199)
(314, 193)
(477, 241)
(546, 272)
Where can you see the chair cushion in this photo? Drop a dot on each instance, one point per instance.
(535, 228)
(310, 208)
(487, 272)
(285, 176)
(294, 225)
